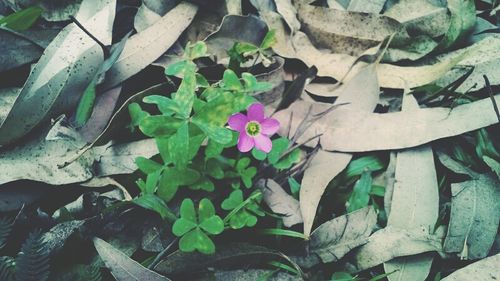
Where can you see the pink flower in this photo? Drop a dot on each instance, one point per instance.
(255, 129)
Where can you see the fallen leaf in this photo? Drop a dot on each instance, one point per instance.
(335, 238)
(345, 32)
(361, 92)
(346, 130)
(486, 269)
(414, 203)
(249, 274)
(145, 47)
(391, 242)
(120, 159)
(122, 267)
(289, 14)
(150, 12)
(16, 50)
(361, 6)
(280, 202)
(455, 166)
(39, 160)
(475, 214)
(60, 76)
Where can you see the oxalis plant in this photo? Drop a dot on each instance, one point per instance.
(211, 137)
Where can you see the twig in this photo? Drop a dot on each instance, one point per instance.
(490, 92)
(162, 254)
(104, 48)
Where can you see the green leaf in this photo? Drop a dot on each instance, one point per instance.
(247, 176)
(136, 114)
(172, 178)
(378, 190)
(196, 240)
(23, 19)
(213, 149)
(177, 68)
(290, 159)
(241, 219)
(166, 105)
(269, 40)
(234, 199)
(294, 186)
(154, 203)
(283, 232)
(201, 81)
(203, 184)
(252, 85)
(197, 50)
(151, 182)
(206, 209)
(231, 81)
(213, 225)
(185, 95)
(485, 146)
(358, 166)
(86, 105)
(187, 210)
(361, 193)
(218, 134)
(146, 165)
(280, 145)
(183, 226)
(258, 154)
(244, 47)
(214, 169)
(159, 125)
(463, 18)
(178, 146)
(242, 164)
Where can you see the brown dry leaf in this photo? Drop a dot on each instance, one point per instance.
(347, 130)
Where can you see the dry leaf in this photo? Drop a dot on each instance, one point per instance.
(280, 202)
(484, 270)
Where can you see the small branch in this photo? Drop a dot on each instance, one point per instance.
(104, 48)
(495, 106)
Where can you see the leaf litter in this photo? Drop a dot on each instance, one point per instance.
(391, 170)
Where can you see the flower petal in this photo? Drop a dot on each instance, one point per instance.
(245, 142)
(269, 126)
(263, 143)
(238, 122)
(256, 112)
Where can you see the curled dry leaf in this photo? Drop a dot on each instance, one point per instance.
(475, 215)
(414, 203)
(280, 202)
(390, 242)
(486, 269)
(145, 47)
(346, 130)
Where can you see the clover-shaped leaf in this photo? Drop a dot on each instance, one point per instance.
(243, 212)
(231, 81)
(194, 230)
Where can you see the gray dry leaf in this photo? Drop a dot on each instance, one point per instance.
(362, 6)
(145, 47)
(120, 159)
(390, 242)
(61, 74)
(484, 270)
(16, 50)
(455, 166)
(335, 238)
(122, 267)
(362, 93)
(346, 32)
(475, 215)
(150, 12)
(39, 160)
(286, 9)
(414, 203)
(280, 202)
(347, 130)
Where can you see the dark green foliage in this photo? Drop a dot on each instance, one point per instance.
(5, 229)
(81, 273)
(32, 262)
(7, 268)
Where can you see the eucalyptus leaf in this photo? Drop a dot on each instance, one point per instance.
(475, 214)
(485, 269)
(280, 202)
(122, 267)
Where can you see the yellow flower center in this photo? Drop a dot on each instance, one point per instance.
(253, 128)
